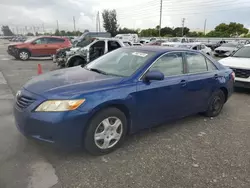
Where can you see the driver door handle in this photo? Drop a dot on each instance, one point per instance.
(183, 83)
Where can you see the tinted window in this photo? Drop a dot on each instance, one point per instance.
(99, 44)
(243, 52)
(112, 45)
(196, 63)
(55, 40)
(40, 41)
(229, 45)
(169, 64)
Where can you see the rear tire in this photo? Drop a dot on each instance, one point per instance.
(24, 55)
(110, 137)
(216, 103)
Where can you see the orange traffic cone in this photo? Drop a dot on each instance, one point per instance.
(39, 69)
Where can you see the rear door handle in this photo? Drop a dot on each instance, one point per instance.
(183, 83)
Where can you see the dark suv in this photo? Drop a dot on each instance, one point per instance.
(37, 47)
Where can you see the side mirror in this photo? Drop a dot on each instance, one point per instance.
(33, 43)
(153, 75)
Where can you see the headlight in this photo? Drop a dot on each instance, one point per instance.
(59, 105)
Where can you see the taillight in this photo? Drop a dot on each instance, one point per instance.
(233, 75)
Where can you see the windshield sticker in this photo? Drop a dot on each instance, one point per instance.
(139, 54)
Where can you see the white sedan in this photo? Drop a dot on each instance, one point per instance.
(194, 46)
(240, 63)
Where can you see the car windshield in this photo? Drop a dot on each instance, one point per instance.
(243, 52)
(229, 45)
(185, 46)
(121, 62)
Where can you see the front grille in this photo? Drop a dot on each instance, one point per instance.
(24, 101)
(220, 51)
(241, 73)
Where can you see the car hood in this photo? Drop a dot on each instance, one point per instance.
(70, 83)
(16, 43)
(236, 62)
(226, 48)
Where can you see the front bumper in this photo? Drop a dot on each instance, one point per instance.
(242, 84)
(222, 54)
(63, 129)
(13, 52)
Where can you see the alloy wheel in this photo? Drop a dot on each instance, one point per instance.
(24, 55)
(108, 133)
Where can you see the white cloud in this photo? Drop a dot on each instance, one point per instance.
(131, 13)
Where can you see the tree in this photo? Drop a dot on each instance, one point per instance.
(6, 31)
(228, 30)
(195, 34)
(57, 33)
(151, 32)
(63, 33)
(167, 32)
(29, 34)
(177, 32)
(110, 21)
(127, 30)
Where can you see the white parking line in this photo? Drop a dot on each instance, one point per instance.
(43, 175)
(2, 79)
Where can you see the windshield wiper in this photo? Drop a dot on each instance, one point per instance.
(98, 71)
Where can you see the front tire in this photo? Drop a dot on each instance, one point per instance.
(216, 104)
(24, 55)
(106, 131)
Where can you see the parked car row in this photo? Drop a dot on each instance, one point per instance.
(18, 39)
(239, 62)
(37, 47)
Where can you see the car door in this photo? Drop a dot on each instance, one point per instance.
(39, 47)
(96, 50)
(159, 101)
(202, 78)
(54, 44)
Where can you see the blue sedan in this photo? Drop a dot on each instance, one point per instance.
(127, 90)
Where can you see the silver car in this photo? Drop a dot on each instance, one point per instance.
(227, 49)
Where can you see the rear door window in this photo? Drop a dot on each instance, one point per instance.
(41, 41)
(55, 40)
(196, 63)
(112, 45)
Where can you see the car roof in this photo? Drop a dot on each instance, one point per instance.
(159, 49)
(57, 37)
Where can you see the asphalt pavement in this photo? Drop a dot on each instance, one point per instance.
(195, 152)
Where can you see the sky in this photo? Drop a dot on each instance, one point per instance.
(34, 15)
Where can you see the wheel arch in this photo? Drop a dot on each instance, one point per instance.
(72, 58)
(112, 104)
(225, 91)
(24, 49)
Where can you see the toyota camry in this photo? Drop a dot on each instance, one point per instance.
(127, 90)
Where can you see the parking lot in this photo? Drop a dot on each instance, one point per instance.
(193, 152)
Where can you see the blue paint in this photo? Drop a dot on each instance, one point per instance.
(147, 103)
